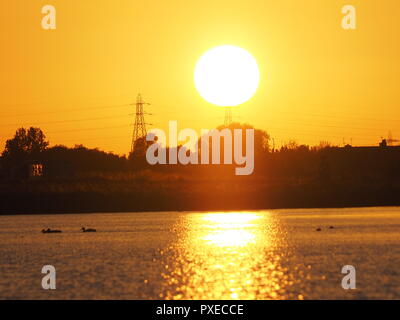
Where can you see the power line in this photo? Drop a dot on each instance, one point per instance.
(67, 110)
(90, 129)
(65, 121)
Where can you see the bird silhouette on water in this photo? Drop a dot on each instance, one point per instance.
(88, 230)
(48, 230)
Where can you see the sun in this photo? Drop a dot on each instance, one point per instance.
(226, 76)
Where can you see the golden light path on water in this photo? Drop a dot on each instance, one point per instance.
(228, 256)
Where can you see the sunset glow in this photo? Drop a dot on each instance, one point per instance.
(199, 150)
(317, 80)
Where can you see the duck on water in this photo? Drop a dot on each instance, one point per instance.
(88, 230)
(50, 231)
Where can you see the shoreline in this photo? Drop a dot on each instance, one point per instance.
(60, 212)
(108, 196)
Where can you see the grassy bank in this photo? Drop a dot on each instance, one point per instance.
(177, 193)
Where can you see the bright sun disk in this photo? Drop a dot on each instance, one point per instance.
(226, 76)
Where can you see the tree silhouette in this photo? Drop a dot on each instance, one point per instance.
(26, 145)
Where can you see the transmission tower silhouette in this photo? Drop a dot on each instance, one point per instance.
(139, 130)
(390, 139)
(228, 116)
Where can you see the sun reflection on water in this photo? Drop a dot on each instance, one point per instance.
(230, 230)
(227, 256)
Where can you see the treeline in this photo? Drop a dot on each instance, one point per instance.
(79, 179)
(30, 146)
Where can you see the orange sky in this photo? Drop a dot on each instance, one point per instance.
(318, 81)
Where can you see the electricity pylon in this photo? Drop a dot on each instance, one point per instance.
(228, 116)
(139, 130)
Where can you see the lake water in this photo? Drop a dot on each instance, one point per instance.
(271, 254)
